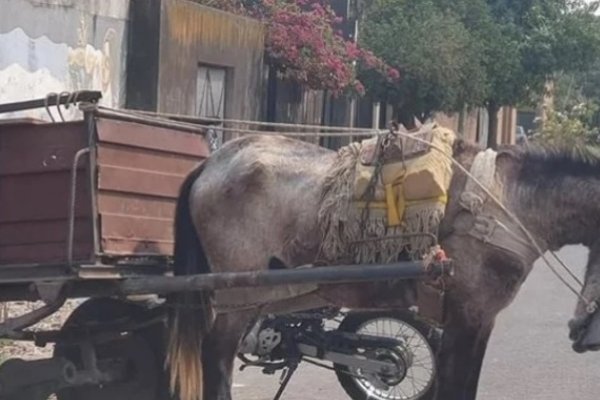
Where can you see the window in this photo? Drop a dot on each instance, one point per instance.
(210, 99)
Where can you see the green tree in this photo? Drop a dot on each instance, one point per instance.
(502, 52)
(527, 42)
(440, 61)
(575, 114)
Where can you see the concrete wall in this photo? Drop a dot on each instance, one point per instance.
(62, 45)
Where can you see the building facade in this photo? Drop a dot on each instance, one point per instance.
(62, 45)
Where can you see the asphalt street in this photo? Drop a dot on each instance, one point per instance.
(529, 357)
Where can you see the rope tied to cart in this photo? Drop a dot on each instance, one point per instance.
(325, 131)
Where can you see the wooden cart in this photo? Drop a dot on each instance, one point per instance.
(86, 211)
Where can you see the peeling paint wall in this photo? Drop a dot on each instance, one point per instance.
(62, 45)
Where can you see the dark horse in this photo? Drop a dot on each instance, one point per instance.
(257, 198)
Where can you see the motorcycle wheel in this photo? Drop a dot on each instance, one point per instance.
(421, 344)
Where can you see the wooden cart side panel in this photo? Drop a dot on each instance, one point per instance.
(42, 232)
(35, 184)
(39, 148)
(140, 205)
(42, 196)
(45, 253)
(143, 182)
(150, 137)
(140, 170)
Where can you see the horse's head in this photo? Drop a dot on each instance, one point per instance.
(585, 325)
(557, 190)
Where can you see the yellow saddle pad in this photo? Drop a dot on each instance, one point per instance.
(424, 178)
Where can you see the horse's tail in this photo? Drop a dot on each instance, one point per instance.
(191, 313)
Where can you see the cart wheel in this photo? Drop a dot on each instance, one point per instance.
(143, 352)
(417, 355)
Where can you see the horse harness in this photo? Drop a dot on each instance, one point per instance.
(495, 230)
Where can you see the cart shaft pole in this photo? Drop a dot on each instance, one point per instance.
(314, 275)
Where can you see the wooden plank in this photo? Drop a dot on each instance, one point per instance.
(144, 159)
(43, 253)
(40, 148)
(140, 171)
(32, 232)
(43, 196)
(139, 181)
(131, 204)
(151, 137)
(120, 247)
(141, 228)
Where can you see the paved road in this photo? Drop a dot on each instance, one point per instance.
(529, 357)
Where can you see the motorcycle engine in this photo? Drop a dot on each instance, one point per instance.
(260, 340)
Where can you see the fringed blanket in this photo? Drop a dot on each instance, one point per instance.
(401, 216)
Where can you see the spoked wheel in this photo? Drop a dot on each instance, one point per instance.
(415, 358)
(137, 357)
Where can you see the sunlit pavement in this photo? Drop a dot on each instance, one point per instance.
(529, 357)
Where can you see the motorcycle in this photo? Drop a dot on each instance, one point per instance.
(374, 355)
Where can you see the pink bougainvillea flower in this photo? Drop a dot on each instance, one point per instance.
(304, 43)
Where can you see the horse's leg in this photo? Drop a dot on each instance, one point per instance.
(219, 350)
(460, 360)
(472, 385)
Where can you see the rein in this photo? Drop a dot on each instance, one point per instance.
(591, 305)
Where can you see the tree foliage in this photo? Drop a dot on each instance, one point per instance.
(575, 115)
(488, 53)
(440, 61)
(569, 127)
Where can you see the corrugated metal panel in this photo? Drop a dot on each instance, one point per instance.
(140, 170)
(35, 179)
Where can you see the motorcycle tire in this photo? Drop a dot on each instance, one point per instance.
(355, 387)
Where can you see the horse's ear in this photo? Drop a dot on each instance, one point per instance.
(275, 263)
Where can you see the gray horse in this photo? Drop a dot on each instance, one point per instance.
(256, 199)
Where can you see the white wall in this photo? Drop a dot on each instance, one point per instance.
(62, 45)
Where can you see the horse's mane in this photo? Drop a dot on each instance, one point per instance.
(556, 159)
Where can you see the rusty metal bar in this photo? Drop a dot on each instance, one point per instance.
(72, 199)
(62, 99)
(161, 285)
(90, 122)
(315, 275)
